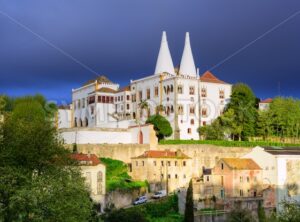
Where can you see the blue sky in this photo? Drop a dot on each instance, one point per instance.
(50, 47)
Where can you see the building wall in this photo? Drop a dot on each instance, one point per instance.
(95, 185)
(64, 118)
(162, 172)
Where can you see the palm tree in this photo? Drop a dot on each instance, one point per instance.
(144, 105)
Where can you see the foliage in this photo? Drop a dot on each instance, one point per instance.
(161, 126)
(117, 177)
(261, 213)
(213, 131)
(240, 215)
(9, 103)
(226, 143)
(189, 204)
(164, 210)
(38, 180)
(290, 212)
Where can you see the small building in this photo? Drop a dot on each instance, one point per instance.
(166, 169)
(265, 104)
(280, 167)
(94, 173)
(237, 178)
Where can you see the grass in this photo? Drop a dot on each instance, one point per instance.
(229, 143)
(117, 177)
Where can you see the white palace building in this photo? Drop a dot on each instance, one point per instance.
(102, 112)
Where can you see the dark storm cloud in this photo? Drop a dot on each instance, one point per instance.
(121, 39)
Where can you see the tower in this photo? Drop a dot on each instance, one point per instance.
(187, 64)
(164, 60)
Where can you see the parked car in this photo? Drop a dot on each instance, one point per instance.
(140, 200)
(159, 194)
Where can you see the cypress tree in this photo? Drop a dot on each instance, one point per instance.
(189, 204)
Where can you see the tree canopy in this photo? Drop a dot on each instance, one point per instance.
(39, 182)
(161, 126)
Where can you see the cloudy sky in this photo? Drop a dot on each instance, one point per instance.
(52, 46)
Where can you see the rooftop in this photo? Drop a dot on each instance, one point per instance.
(209, 77)
(100, 79)
(86, 159)
(163, 154)
(106, 90)
(269, 100)
(282, 150)
(241, 164)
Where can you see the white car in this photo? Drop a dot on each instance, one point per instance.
(140, 200)
(159, 194)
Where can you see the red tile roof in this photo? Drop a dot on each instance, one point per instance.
(269, 100)
(241, 164)
(163, 154)
(209, 77)
(86, 159)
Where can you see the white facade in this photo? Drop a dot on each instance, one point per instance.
(275, 170)
(181, 95)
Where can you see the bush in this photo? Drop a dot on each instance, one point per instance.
(229, 143)
(117, 177)
(161, 126)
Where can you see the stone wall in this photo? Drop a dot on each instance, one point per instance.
(202, 154)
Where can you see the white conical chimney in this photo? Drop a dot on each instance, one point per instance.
(187, 64)
(164, 60)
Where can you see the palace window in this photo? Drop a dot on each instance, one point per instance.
(92, 110)
(107, 99)
(222, 94)
(204, 112)
(189, 130)
(180, 89)
(203, 92)
(140, 95)
(176, 177)
(156, 91)
(192, 109)
(175, 163)
(122, 98)
(83, 103)
(169, 163)
(204, 123)
(154, 163)
(180, 110)
(171, 88)
(169, 176)
(172, 109)
(148, 93)
(79, 106)
(184, 163)
(99, 99)
(127, 106)
(111, 99)
(127, 97)
(192, 90)
(119, 98)
(162, 163)
(133, 97)
(91, 99)
(192, 122)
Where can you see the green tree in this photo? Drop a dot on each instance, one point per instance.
(261, 213)
(189, 204)
(39, 182)
(215, 131)
(162, 126)
(290, 212)
(242, 103)
(264, 124)
(240, 215)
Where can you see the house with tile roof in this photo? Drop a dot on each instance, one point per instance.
(94, 173)
(280, 168)
(237, 178)
(163, 169)
(186, 98)
(265, 104)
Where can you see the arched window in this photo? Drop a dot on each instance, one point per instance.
(172, 109)
(86, 122)
(180, 89)
(171, 88)
(99, 182)
(81, 124)
(133, 115)
(192, 122)
(75, 122)
(168, 89)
